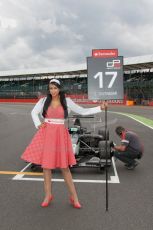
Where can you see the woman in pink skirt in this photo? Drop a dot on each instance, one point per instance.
(51, 146)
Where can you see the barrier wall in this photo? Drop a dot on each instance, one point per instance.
(129, 103)
(151, 103)
(13, 100)
(80, 99)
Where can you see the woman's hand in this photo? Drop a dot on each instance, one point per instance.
(42, 125)
(104, 105)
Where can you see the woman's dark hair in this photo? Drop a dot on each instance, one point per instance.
(62, 100)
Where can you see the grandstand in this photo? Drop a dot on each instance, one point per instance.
(138, 79)
(32, 83)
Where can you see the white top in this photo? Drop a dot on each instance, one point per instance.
(71, 105)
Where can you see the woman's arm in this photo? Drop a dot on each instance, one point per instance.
(83, 111)
(36, 111)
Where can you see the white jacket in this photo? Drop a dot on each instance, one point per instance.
(38, 109)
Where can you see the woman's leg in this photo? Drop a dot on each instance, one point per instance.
(69, 182)
(47, 174)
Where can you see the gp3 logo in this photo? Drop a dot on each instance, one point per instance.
(115, 64)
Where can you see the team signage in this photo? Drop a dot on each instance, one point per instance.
(104, 53)
(105, 78)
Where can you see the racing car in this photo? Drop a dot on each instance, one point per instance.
(90, 147)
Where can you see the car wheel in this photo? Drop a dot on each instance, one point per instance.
(104, 134)
(102, 150)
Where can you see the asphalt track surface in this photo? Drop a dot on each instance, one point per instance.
(130, 198)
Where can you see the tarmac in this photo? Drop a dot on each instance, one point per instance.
(130, 192)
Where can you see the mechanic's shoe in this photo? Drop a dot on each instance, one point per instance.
(131, 167)
(46, 203)
(75, 205)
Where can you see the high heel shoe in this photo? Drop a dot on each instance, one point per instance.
(75, 205)
(45, 204)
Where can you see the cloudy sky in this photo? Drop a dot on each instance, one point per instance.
(60, 33)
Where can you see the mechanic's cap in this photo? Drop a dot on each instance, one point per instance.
(119, 130)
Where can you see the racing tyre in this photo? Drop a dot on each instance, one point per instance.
(102, 133)
(36, 168)
(102, 149)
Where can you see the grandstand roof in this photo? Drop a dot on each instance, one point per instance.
(139, 62)
(77, 69)
(130, 63)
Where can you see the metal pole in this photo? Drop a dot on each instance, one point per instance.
(106, 158)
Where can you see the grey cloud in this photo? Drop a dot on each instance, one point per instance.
(64, 32)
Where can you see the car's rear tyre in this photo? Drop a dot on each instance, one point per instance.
(104, 134)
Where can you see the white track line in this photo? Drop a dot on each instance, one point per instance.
(113, 179)
(133, 118)
(20, 176)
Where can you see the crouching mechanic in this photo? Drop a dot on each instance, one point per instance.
(131, 147)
